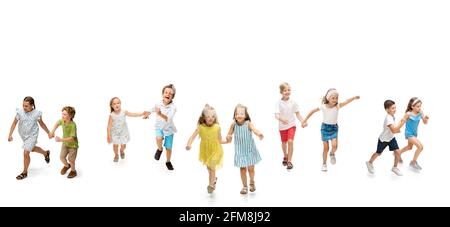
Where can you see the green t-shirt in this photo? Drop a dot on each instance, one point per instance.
(69, 131)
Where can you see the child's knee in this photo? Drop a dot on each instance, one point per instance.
(290, 142)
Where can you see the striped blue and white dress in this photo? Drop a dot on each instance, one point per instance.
(246, 153)
(28, 127)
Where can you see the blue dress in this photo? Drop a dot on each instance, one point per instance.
(246, 153)
(412, 125)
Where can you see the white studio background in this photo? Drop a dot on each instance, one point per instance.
(84, 53)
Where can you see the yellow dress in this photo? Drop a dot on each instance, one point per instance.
(211, 151)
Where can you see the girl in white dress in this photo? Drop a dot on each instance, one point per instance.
(117, 127)
(28, 118)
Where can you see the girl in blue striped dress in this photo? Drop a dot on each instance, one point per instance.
(246, 154)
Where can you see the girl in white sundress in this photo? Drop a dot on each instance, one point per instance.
(28, 118)
(246, 154)
(118, 129)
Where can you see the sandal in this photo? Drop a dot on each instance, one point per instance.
(244, 190)
(22, 176)
(289, 165)
(211, 188)
(116, 159)
(122, 155)
(252, 187)
(47, 157)
(285, 161)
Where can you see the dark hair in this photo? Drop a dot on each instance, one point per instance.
(30, 100)
(111, 102)
(413, 100)
(70, 110)
(388, 104)
(247, 116)
(171, 86)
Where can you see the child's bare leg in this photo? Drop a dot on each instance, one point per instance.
(407, 148)
(251, 173)
(244, 176)
(334, 146)
(116, 151)
(122, 148)
(212, 176)
(26, 161)
(159, 143)
(419, 146)
(290, 144)
(168, 154)
(374, 156)
(326, 148)
(397, 157)
(284, 147)
(39, 150)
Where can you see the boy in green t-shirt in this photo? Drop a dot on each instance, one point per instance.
(69, 147)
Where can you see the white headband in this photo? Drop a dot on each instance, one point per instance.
(331, 92)
(415, 102)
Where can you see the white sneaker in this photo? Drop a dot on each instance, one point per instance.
(415, 165)
(397, 171)
(370, 167)
(333, 159)
(324, 168)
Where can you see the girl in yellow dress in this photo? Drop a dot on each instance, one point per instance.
(211, 151)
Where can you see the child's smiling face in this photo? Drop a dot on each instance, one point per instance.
(210, 118)
(65, 116)
(333, 100)
(168, 96)
(240, 115)
(391, 110)
(116, 105)
(27, 107)
(286, 92)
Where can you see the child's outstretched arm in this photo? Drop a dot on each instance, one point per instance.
(52, 133)
(425, 118)
(13, 126)
(129, 114)
(191, 139)
(279, 118)
(230, 133)
(348, 101)
(305, 121)
(108, 139)
(396, 129)
(256, 131)
(43, 125)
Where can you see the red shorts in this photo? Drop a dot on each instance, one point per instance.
(287, 134)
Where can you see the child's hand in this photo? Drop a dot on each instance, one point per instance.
(229, 138)
(427, 117)
(158, 110)
(57, 139)
(50, 135)
(188, 147)
(261, 136)
(10, 138)
(109, 139)
(304, 124)
(146, 114)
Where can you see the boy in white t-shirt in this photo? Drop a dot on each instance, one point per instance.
(387, 138)
(285, 113)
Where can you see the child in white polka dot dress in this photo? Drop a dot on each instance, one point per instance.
(28, 118)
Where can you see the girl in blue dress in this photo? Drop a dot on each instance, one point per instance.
(246, 154)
